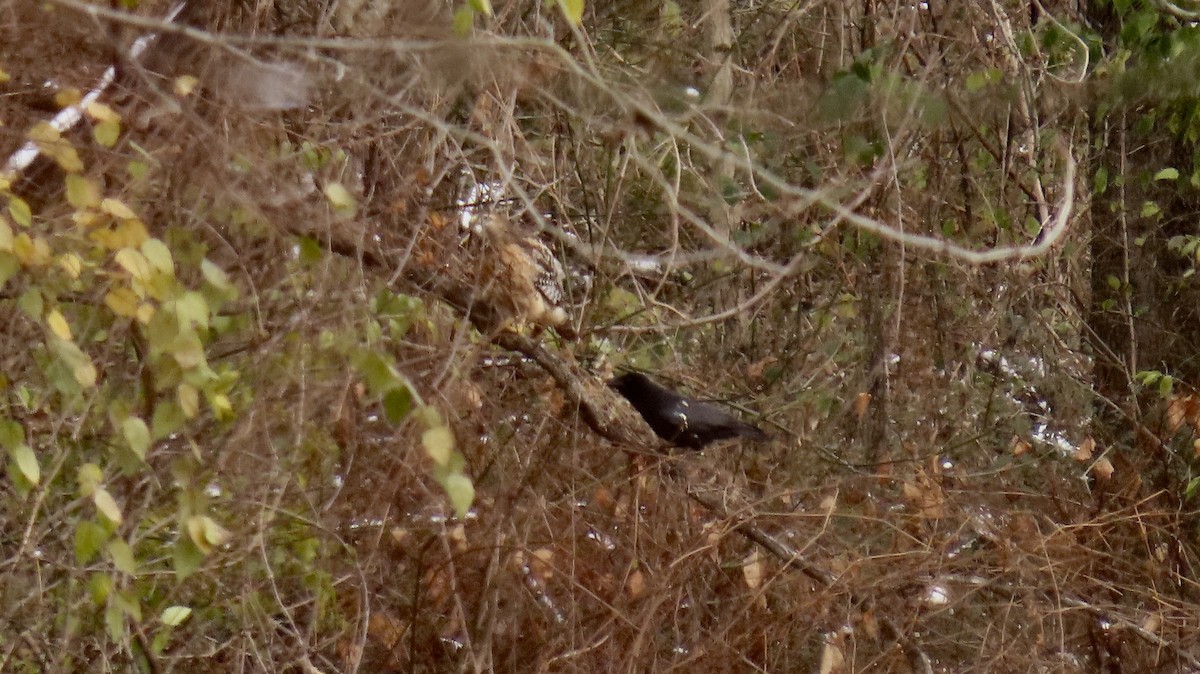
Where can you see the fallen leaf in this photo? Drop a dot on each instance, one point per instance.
(1085, 450)
(636, 584)
(1103, 469)
(752, 570)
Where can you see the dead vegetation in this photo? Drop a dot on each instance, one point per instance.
(879, 231)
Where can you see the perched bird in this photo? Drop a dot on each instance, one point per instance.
(528, 277)
(682, 421)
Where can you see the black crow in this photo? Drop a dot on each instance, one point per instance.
(679, 420)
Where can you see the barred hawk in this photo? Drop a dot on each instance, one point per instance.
(527, 279)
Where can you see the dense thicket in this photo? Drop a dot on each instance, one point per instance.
(272, 400)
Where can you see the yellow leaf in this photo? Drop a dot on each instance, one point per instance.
(68, 96)
(30, 252)
(82, 192)
(221, 407)
(107, 505)
(214, 275)
(205, 533)
(6, 235)
(573, 10)
(461, 492)
(72, 264)
(126, 234)
(117, 209)
(107, 133)
(340, 198)
(173, 616)
(50, 142)
(20, 211)
(58, 325)
(752, 570)
(189, 400)
(158, 255)
(135, 263)
(89, 477)
(101, 112)
(137, 434)
(79, 363)
(185, 84)
(27, 463)
(438, 443)
(123, 301)
(86, 219)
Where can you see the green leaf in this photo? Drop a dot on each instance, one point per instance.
(122, 556)
(1190, 490)
(186, 558)
(379, 374)
(32, 304)
(168, 418)
(99, 587)
(12, 434)
(461, 492)
(9, 266)
(464, 20)
(137, 169)
(187, 350)
(438, 443)
(89, 540)
(1165, 385)
(1149, 209)
(483, 7)
(192, 310)
(76, 361)
(397, 403)
(114, 622)
(173, 616)
(572, 10)
(311, 251)
(137, 434)
(27, 463)
(1167, 174)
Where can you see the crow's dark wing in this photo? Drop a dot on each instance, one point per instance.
(701, 423)
(680, 420)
